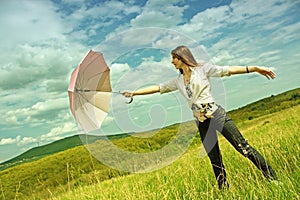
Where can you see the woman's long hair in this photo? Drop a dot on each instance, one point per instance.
(184, 54)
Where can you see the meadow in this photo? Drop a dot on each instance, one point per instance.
(271, 125)
(276, 136)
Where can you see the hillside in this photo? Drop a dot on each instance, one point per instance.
(42, 151)
(266, 106)
(276, 136)
(37, 153)
(74, 167)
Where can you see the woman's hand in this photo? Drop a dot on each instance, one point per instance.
(265, 71)
(127, 94)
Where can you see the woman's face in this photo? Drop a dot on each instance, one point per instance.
(176, 62)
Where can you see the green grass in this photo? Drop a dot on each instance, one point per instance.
(75, 174)
(190, 177)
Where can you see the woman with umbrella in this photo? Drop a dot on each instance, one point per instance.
(193, 83)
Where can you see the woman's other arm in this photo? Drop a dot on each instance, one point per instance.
(265, 71)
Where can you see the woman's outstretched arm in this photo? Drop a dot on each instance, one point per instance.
(265, 71)
(143, 91)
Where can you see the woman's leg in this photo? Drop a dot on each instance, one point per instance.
(233, 135)
(210, 142)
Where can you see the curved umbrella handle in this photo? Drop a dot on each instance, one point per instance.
(130, 100)
(127, 102)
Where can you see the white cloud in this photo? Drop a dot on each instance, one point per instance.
(33, 64)
(96, 18)
(5, 141)
(260, 11)
(28, 21)
(118, 70)
(41, 112)
(207, 24)
(73, 1)
(27, 140)
(148, 72)
(287, 34)
(119, 44)
(59, 132)
(158, 13)
(19, 140)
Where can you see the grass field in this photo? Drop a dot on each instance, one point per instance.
(275, 135)
(191, 177)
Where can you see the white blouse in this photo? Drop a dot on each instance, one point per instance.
(199, 83)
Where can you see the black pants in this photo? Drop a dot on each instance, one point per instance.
(228, 129)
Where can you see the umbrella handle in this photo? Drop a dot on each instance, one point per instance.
(127, 102)
(130, 100)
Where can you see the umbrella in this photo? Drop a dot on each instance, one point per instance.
(90, 91)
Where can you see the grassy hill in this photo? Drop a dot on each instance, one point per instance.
(42, 151)
(272, 125)
(266, 106)
(276, 136)
(37, 153)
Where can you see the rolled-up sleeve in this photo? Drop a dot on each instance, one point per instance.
(168, 86)
(215, 70)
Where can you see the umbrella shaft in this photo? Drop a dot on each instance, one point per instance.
(86, 90)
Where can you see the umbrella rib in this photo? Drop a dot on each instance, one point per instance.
(85, 107)
(88, 64)
(87, 100)
(96, 75)
(91, 60)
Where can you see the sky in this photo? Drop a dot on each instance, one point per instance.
(43, 41)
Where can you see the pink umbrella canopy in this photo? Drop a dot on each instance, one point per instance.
(90, 91)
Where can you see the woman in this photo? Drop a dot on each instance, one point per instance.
(194, 84)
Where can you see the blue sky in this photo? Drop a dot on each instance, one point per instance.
(43, 41)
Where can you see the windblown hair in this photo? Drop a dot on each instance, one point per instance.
(184, 54)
